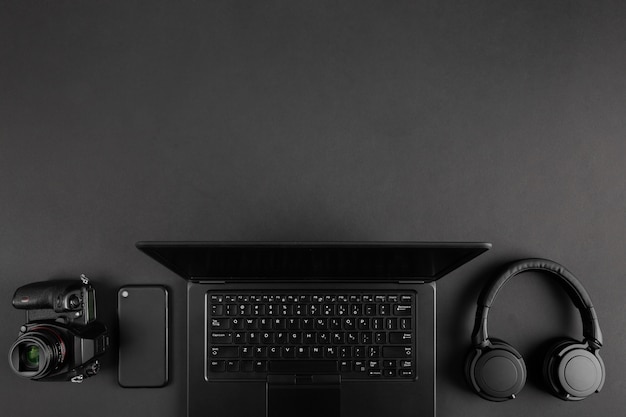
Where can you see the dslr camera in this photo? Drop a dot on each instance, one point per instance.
(61, 339)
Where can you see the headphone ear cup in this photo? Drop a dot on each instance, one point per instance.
(572, 370)
(496, 372)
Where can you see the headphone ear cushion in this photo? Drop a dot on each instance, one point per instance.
(496, 372)
(572, 370)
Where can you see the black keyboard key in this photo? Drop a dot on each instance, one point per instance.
(220, 324)
(359, 351)
(402, 310)
(323, 338)
(384, 309)
(373, 352)
(349, 324)
(231, 310)
(224, 352)
(328, 310)
(288, 352)
(303, 352)
(217, 366)
(298, 366)
(295, 338)
(232, 366)
(317, 352)
(219, 338)
(331, 352)
(321, 324)
(273, 352)
(356, 309)
(342, 310)
(260, 366)
(402, 352)
(253, 337)
(400, 338)
(370, 310)
(345, 352)
(359, 366)
(389, 363)
(258, 310)
(373, 364)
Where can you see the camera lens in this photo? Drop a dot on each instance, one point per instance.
(29, 355)
(38, 352)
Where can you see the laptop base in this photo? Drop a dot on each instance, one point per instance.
(346, 398)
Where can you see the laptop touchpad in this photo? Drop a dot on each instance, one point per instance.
(304, 396)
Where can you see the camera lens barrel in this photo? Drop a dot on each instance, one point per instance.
(38, 352)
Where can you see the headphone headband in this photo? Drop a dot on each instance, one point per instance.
(576, 291)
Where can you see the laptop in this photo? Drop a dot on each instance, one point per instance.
(311, 329)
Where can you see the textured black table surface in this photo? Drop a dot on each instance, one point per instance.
(489, 121)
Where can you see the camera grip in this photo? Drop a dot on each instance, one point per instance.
(44, 294)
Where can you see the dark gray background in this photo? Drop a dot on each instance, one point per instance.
(500, 121)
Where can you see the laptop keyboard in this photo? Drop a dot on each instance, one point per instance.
(358, 335)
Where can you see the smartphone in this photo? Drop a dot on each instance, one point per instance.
(142, 311)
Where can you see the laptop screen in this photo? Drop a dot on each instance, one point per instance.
(290, 260)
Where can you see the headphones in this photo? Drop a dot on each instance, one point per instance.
(572, 370)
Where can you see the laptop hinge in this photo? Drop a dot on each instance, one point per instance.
(207, 281)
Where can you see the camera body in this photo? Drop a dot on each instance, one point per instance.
(61, 339)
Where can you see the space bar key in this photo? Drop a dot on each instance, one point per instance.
(303, 366)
